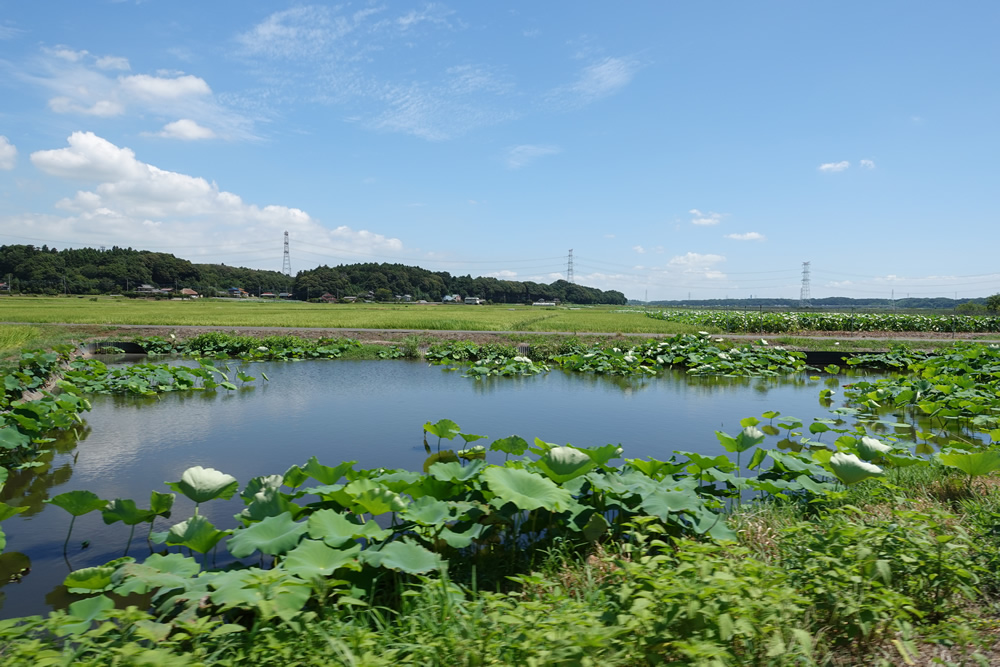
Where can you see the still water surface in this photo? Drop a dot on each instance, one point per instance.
(368, 411)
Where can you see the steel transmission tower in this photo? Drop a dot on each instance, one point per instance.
(804, 294)
(569, 267)
(286, 264)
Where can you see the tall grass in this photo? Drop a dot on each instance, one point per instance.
(13, 337)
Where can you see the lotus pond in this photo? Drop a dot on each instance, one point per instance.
(371, 412)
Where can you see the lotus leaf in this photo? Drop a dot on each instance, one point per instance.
(125, 511)
(512, 445)
(462, 539)
(313, 558)
(445, 428)
(78, 502)
(203, 484)
(456, 472)
(273, 536)
(561, 464)
(271, 592)
(85, 612)
(325, 474)
(527, 491)
(196, 533)
(94, 579)
(7, 511)
(849, 469)
(405, 556)
(337, 529)
(159, 572)
(974, 464)
(872, 448)
(662, 502)
(11, 438)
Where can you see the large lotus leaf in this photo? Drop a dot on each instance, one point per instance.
(595, 527)
(872, 448)
(257, 484)
(369, 496)
(294, 477)
(469, 437)
(273, 536)
(85, 612)
(561, 464)
(268, 502)
(271, 592)
(515, 445)
(94, 579)
(124, 510)
(456, 472)
(849, 469)
(714, 525)
(474, 453)
(662, 503)
(399, 481)
(159, 572)
(7, 511)
(196, 533)
(526, 490)
(461, 539)
(11, 438)
(750, 436)
(445, 428)
(204, 484)
(700, 463)
(160, 504)
(337, 529)
(654, 468)
(974, 464)
(601, 455)
(325, 474)
(78, 503)
(427, 511)
(313, 558)
(405, 556)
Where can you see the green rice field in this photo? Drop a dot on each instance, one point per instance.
(252, 313)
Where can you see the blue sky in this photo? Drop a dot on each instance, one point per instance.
(702, 149)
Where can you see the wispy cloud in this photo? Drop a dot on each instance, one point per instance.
(595, 82)
(749, 236)
(833, 167)
(82, 84)
(519, 156)
(868, 164)
(639, 249)
(8, 154)
(8, 32)
(705, 219)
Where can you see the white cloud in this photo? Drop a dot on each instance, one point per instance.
(101, 108)
(113, 62)
(595, 82)
(609, 236)
(868, 164)
(833, 167)
(158, 89)
(8, 154)
(694, 260)
(519, 156)
(138, 204)
(705, 219)
(749, 236)
(7, 32)
(69, 54)
(503, 275)
(639, 249)
(187, 130)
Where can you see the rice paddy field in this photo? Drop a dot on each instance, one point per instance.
(253, 313)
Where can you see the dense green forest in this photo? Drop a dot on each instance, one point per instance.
(43, 270)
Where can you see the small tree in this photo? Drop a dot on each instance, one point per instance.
(993, 303)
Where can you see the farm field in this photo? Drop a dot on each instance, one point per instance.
(247, 313)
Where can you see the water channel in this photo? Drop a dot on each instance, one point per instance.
(368, 411)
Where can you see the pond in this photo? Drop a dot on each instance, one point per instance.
(371, 412)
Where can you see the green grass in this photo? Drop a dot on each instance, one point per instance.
(237, 313)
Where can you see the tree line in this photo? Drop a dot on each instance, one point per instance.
(44, 270)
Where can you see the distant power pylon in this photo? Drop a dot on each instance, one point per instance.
(286, 264)
(569, 267)
(804, 294)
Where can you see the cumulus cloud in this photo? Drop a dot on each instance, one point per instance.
(749, 236)
(595, 82)
(639, 249)
(868, 164)
(134, 203)
(705, 219)
(694, 260)
(519, 156)
(186, 129)
(8, 154)
(113, 62)
(832, 167)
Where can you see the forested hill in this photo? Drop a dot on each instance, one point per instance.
(44, 270)
(399, 279)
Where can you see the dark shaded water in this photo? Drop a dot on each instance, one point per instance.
(369, 411)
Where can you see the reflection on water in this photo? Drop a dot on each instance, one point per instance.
(369, 411)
